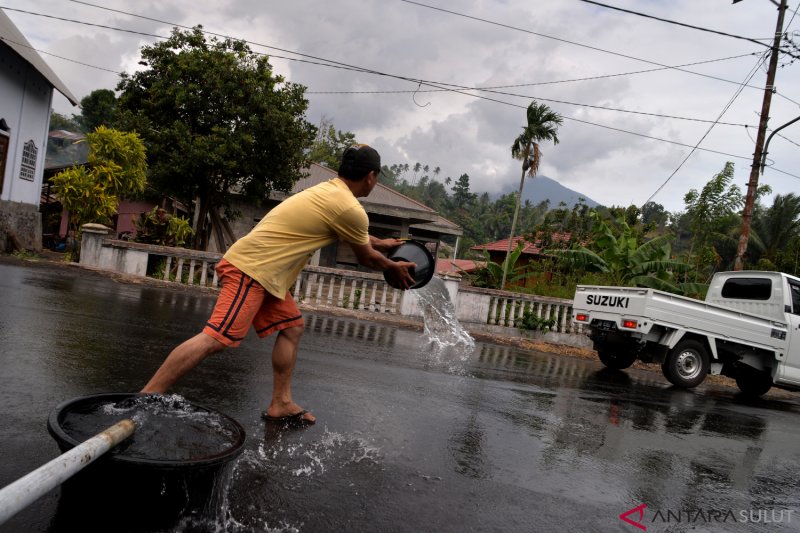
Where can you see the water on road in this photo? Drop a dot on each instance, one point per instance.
(408, 438)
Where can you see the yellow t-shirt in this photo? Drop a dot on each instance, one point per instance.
(277, 249)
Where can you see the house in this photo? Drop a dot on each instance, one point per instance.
(26, 85)
(67, 149)
(391, 214)
(532, 251)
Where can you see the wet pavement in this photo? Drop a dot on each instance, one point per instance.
(409, 438)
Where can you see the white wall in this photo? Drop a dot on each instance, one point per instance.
(25, 101)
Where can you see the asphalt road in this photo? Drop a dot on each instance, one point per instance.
(408, 438)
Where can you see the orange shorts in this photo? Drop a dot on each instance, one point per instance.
(242, 303)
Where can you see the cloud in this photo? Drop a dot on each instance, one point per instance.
(518, 43)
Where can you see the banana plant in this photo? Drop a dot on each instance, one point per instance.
(627, 263)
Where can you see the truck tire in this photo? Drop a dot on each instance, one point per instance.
(617, 359)
(686, 364)
(754, 383)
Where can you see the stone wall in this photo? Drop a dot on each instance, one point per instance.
(20, 227)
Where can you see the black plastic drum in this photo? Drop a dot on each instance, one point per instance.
(414, 252)
(176, 465)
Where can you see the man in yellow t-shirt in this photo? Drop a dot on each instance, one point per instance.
(257, 271)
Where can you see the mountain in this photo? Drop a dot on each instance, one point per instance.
(543, 188)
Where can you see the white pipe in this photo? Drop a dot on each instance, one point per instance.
(24, 491)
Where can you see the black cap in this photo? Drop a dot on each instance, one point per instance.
(358, 160)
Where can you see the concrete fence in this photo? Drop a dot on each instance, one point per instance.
(486, 310)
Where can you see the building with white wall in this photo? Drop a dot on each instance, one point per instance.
(26, 97)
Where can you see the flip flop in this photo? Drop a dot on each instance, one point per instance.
(295, 419)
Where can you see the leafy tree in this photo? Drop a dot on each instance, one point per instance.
(462, 196)
(542, 125)
(712, 216)
(98, 108)
(625, 261)
(788, 257)
(215, 119)
(775, 226)
(654, 215)
(60, 122)
(330, 144)
(116, 166)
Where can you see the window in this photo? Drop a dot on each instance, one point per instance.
(795, 290)
(28, 169)
(747, 289)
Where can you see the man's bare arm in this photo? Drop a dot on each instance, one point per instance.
(371, 258)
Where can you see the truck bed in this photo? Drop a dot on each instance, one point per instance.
(650, 307)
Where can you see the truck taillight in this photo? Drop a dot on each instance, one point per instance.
(580, 317)
(629, 324)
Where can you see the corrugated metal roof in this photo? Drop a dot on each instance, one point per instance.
(14, 39)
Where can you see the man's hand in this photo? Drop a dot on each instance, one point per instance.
(384, 245)
(400, 275)
(397, 271)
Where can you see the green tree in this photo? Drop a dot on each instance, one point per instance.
(462, 196)
(712, 216)
(775, 226)
(60, 122)
(625, 261)
(330, 144)
(98, 108)
(654, 215)
(215, 119)
(117, 166)
(542, 125)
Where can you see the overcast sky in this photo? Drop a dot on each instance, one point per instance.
(626, 132)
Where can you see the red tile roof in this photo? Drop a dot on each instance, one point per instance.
(531, 248)
(457, 266)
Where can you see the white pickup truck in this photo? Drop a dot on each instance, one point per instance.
(747, 328)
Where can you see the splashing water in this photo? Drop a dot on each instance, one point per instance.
(442, 328)
(333, 450)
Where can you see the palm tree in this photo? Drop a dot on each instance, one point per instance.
(542, 125)
(774, 227)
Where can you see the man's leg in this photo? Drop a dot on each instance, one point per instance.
(284, 355)
(182, 359)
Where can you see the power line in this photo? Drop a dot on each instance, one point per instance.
(353, 67)
(437, 85)
(559, 39)
(756, 41)
(787, 139)
(523, 30)
(724, 110)
(533, 97)
(332, 64)
(58, 56)
(440, 90)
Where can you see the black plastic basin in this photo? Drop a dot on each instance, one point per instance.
(177, 464)
(414, 252)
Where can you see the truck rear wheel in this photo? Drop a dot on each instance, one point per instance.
(686, 364)
(753, 382)
(617, 359)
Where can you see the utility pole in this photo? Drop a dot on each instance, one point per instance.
(752, 185)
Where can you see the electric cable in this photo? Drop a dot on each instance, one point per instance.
(724, 110)
(600, 4)
(508, 26)
(334, 64)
